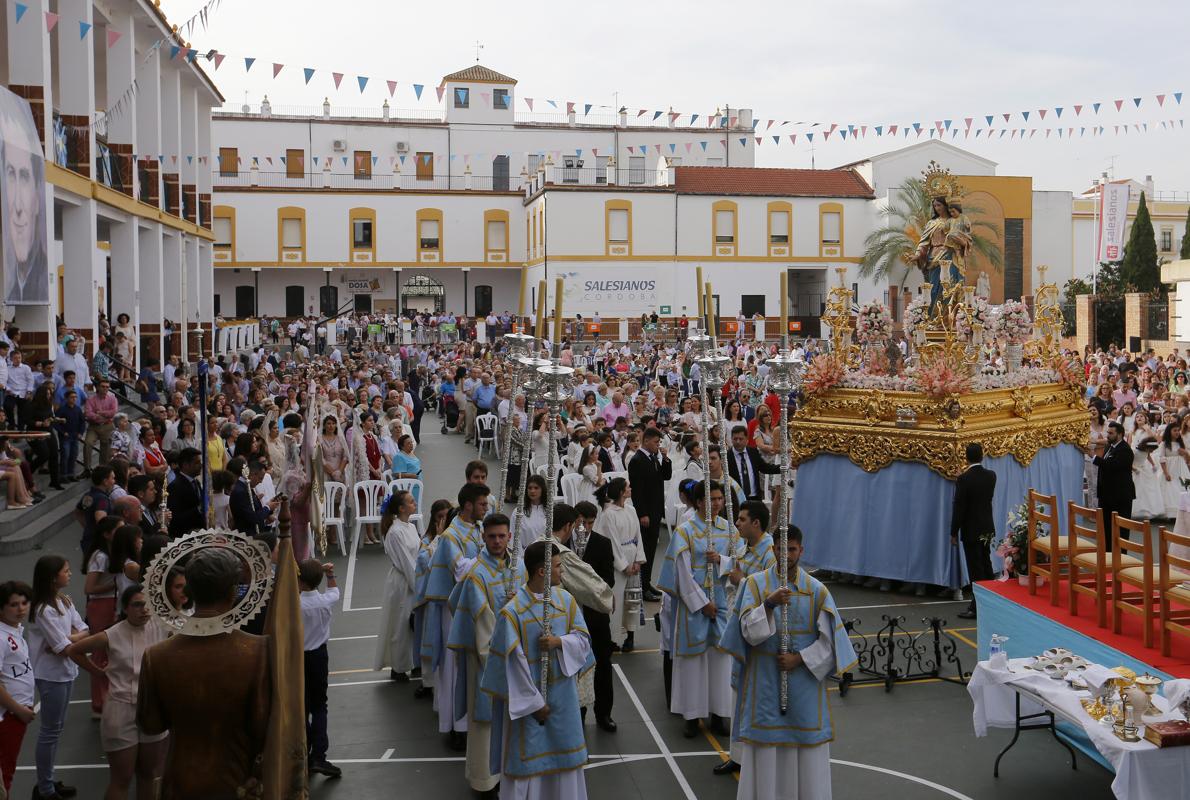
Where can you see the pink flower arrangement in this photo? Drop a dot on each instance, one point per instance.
(977, 311)
(1070, 370)
(1013, 548)
(916, 314)
(1014, 323)
(824, 373)
(873, 323)
(940, 379)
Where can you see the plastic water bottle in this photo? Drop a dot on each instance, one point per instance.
(997, 658)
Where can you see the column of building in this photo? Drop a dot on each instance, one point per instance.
(150, 301)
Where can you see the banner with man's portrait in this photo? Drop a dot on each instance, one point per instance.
(23, 244)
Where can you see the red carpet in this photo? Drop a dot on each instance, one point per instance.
(1129, 640)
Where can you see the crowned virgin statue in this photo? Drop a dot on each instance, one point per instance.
(946, 237)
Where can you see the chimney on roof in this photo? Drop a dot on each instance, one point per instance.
(266, 108)
(623, 117)
(671, 116)
(1149, 188)
(326, 108)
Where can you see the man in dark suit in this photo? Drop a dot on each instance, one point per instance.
(745, 465)
(1115, 487)
(606, 443)
(185, 495)
(648, 471)
(971, 520)
(597, 553)
(144, 488)
(248, 514)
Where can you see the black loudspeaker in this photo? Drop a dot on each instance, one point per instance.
(328, 300)
(1134, 344)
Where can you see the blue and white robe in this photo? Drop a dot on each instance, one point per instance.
(538, 760)
(787, 754)
(457, 548)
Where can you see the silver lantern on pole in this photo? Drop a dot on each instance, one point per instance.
(530, 387)
(516, 347)
(555, 385)
(784, 376)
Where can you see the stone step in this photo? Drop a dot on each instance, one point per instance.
(25, 529)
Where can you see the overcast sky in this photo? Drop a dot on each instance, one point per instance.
(861, 62)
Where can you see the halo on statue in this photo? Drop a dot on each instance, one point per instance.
(253, 553)
(939, 182)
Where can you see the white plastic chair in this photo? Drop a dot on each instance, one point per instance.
(543, 470)
(570, 487)
(413, 486)
(485, 432)
(366, 499)
(333, 509)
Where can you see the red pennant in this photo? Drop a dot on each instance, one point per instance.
(642, 112)
(1006, 116)
(1118, 104)
(771, 121)
(219, 60)
(833, 126)
(793, 138)
(392, 87)
(1041, 111)
(968, 120)
(338, 76)
(1078, 110)
(51, 21)
(277, 69)
(1161, 100)
(892, 130)
(113, 37)
(529, 102)
(440, 90)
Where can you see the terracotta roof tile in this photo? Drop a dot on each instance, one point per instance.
(478, 72)
(771, 182)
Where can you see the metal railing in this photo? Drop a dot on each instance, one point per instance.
(377, 180)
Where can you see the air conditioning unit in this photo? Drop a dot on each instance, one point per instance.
(402, 147)
(340, 145)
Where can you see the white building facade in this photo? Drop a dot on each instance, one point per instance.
(129, 230)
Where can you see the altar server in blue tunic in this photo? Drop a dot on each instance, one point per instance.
(457, 549)
(540, 748)
(690, 576)
(785, 756)
(752, 522)
(474, 603)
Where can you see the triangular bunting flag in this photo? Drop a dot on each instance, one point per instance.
(629, 151)
(552, 103)
(191, 54)
(641, 113)
(569, 107)
(529, 102)
(879, 130)
(776, 140)
(1041, 111)
(487, 98)
(793, 138)
(743, 141)
(947, 123)
(1006, 117)
(967, 122)
(989, 119)
(892, 130)
(1096, 107)
(656, 114)
(316, 161)
(1025, 114)
(248, 62)
(809, 137)
(1058, 111)
(723, 142)
(112, 37)
(392, 87)
(344, 160)
(703, 144)
(657, 147)
(843, 134)
(20, 9)
(84, 29)
(1178, 97)
(308, 72)
(363, 82)
(672, 147)
(693, 118)
(374, 160)
(1078, 110)
(917, 127)
(338, 76)
(269, 159)
(644, 148)
(1137, 101)
(417, 87)
(771, 121)
(1161, 100)
(439, 90)
(1118, 104)
(277, 69)
(219, 60)
(586, 109)
(688, 146)
(189, 159)
(282, 159)
(826, 135)
(173, 52)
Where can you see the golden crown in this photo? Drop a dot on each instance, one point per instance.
(940, 183)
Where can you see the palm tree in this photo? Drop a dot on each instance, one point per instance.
(888, 248)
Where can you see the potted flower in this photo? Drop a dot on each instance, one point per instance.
(1014, 325)
(1014, 547)
(941, 378)
(824, 373)
(968, 315)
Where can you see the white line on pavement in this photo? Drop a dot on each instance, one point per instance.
(935, 786)
(349, 584)
(903, 605)
(665, 752)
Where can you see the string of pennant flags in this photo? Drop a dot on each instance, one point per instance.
(1014, 126)
(676, 148)
(121, 103)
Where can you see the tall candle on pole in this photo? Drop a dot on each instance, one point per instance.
(541, 309)
(784, 309)
(558, 315)
(709, 306)
(702, 319)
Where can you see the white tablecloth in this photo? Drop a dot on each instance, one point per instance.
(1143, 770)
(1181, 526)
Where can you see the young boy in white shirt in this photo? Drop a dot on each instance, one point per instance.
(316, 623)
(16, 676)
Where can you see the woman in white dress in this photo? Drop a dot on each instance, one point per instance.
(617, 521)
(1147, 478)
(1172, 456)
(394, 647)
(1098, 437)
(533, 526)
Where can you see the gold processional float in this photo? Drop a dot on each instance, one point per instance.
(861, 402)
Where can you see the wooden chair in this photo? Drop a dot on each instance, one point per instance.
(1174, 620)
(1043, 510)
(1134, 589)
(1090, 572)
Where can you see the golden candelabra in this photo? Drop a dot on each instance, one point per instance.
(838, 316)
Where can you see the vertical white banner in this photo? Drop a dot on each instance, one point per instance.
(1113, 218)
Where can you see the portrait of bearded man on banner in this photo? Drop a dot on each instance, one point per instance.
(22, 205)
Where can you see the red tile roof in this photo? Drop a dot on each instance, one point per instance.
(478, 73)
(771, 182)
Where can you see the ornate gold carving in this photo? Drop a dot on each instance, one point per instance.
(861, 424)
(940, 183)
